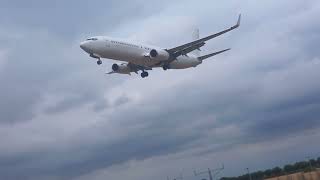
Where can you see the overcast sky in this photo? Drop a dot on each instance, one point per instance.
(61, 117)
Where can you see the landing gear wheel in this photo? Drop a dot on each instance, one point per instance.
(165, 67)
(144, 74)
(99, 62)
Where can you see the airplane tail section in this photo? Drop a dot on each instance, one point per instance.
(201, 58)
(196, 36)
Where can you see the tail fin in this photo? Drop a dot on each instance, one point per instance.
(212, 54)
(196, 36)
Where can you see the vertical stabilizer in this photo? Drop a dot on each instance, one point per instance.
(196, 36)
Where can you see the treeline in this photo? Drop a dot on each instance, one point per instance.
(277, 171)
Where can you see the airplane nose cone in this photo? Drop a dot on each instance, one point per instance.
(83, 46)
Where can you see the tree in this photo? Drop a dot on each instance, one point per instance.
(257, 175)
(300, 166)
(268, 173)
(288, 168)
(276, 171)
(313, 162)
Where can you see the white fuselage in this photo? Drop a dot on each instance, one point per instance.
(111, 48)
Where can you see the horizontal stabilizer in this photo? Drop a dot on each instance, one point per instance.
(212, 54)
(113, 72)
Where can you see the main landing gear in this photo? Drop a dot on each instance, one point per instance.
(99, 62)
(165, 67)
(144, 74)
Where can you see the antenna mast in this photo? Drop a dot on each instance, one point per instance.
(211, 172)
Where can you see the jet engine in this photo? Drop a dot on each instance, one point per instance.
(159, 54)
(121, 68)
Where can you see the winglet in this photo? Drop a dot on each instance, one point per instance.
(239, 20)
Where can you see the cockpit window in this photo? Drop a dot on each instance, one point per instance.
(92, 39)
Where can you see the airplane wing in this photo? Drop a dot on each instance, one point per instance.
(136, 67)
(189, 49)
(177, 51)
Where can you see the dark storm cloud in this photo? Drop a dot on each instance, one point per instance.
(70, 102)
(33, 71)
(25, 76)
(67, 18)
(265, 89)
(36, 61)
(99, 154)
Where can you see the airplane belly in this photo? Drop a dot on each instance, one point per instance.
(133, 55)
(118, 53)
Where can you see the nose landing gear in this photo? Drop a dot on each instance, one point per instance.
(99, 62)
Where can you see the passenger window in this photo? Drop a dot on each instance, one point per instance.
(92, 39)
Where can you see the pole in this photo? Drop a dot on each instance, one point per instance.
(210, 175)
(212, 172)
(250, 178)
(309, 160)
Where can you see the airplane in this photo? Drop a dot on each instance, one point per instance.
(140, 57)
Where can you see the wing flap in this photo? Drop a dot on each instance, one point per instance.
(189, 49)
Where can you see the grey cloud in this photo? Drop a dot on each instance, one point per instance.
(30, 73)
(23, 78)
(121, 100)
(70, 102)
(48, 64)
(95, 155)
(84, 98)
(67, 18)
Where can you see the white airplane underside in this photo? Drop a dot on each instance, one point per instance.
(138, 57)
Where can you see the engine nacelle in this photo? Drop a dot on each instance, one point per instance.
(121, 68)
(160, 55)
